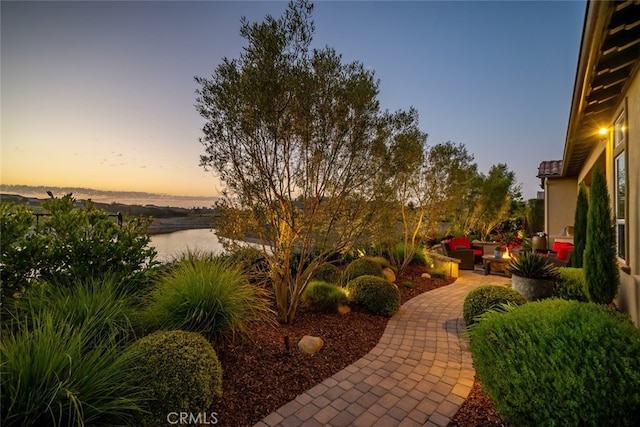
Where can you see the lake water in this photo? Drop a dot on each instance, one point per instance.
(170, 245)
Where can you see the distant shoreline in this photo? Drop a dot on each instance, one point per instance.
(169, 225)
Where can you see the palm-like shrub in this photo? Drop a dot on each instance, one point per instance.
(532, 266)
(556, 362)
(375, 294)
(365, 266)
(179, 371)
(207, 295)
(488, 297)
(325, 297)
(56, 373)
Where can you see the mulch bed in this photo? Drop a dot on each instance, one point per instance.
(260, 375)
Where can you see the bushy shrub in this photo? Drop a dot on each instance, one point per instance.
(180, 372)
(70, 244)
(251, 261)
(365, 266)
(571, 284)
(557, 363)
(209, 296)
(488, 297)
(56, 373)
(328, 273)
(375, 294)
(438, 273)
(325, 297)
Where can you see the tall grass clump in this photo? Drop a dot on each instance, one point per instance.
(54, 373)
(558, 363)
(207, 295)
(96, 305)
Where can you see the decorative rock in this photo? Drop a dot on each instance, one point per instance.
(389, 275)
(426, 275)
(343, 309)
(310, 345)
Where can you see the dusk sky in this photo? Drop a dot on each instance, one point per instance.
(101, 94)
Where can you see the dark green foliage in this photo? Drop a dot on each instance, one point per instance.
(560, 363)
(325, 297)
(438, 273)
(532, 266)
(365, 266)
(70, 244)
(580, 227)
(488, 297)
(328, 273)
(59, 372)
(535, 215)
(180, 372)
(251, 261)
(600, 260)
(208, 295)
(571, 284)
(375, 294)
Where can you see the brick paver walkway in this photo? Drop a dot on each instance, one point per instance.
(419, 374)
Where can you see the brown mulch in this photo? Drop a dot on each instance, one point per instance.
(260, 375)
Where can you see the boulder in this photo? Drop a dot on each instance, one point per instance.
(389, 275)
(310, 345)
(343, 309)
(426, 275)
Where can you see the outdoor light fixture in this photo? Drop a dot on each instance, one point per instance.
(603, 131)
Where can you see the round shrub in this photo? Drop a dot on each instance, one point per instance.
(486, 298)
(375, 294)
(209, 296)
(571, 284)
(557, 362)
(180, 372)
(328, 273)
(325, 297)
(365, 266)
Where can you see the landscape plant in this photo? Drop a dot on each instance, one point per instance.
(325, 297)
(70, 244)
(600, 259)
(364, 266)
(571, 284)
(375, 294)
(58, 373)
(488, 297)
(207, 295)
(580, 227)
(328, 273)
(532, 266)
(293, 135)
(558, 363)
(179, 372)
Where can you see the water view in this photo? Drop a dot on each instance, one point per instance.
(171, 245)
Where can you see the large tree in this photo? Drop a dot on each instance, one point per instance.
(293, 134)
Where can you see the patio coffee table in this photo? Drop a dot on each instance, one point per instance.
(501, 263)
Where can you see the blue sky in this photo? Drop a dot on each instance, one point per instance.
(101, 94)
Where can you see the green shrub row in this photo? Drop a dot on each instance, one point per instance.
(558, 363)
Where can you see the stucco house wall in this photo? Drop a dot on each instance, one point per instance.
(560, 206)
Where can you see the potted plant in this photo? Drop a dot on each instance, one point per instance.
(532, 275)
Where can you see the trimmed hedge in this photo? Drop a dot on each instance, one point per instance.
(488, 297)
(325, 297)
(571, 284)
(557, 363)
(375, 294)
(365, 266)
(180, 371)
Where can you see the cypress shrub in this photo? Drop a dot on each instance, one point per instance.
(600, 265)
(580, 227)
(559, 363)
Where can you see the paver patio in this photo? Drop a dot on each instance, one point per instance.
(419, 374)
